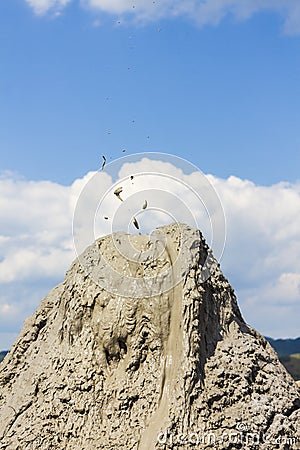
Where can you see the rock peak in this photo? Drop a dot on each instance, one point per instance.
(143, 347)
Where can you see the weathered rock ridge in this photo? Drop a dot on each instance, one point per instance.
(180, 369)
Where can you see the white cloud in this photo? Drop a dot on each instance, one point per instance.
(35, 229)
(262, 251)
(261, 256)
(203, 12)
(41, 7)
(283, 290)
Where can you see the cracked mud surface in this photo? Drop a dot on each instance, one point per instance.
(95, 370)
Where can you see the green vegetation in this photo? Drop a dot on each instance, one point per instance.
(292, 364)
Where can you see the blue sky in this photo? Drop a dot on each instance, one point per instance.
(215, 82)
(226, 96)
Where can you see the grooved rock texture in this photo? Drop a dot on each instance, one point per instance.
(93, 369)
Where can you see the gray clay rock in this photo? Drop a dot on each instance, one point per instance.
(145, 364)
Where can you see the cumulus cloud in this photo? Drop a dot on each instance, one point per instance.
(203, 12)
(262, 251)
(41, 7)
(35, 246)
(261, 255)
(28, 211)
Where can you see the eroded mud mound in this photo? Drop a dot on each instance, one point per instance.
(94, 368)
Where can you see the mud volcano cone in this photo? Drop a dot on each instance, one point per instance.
(120, 357)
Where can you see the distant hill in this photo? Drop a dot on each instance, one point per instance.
(2, 354)
(285, 346)
(292, 364)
